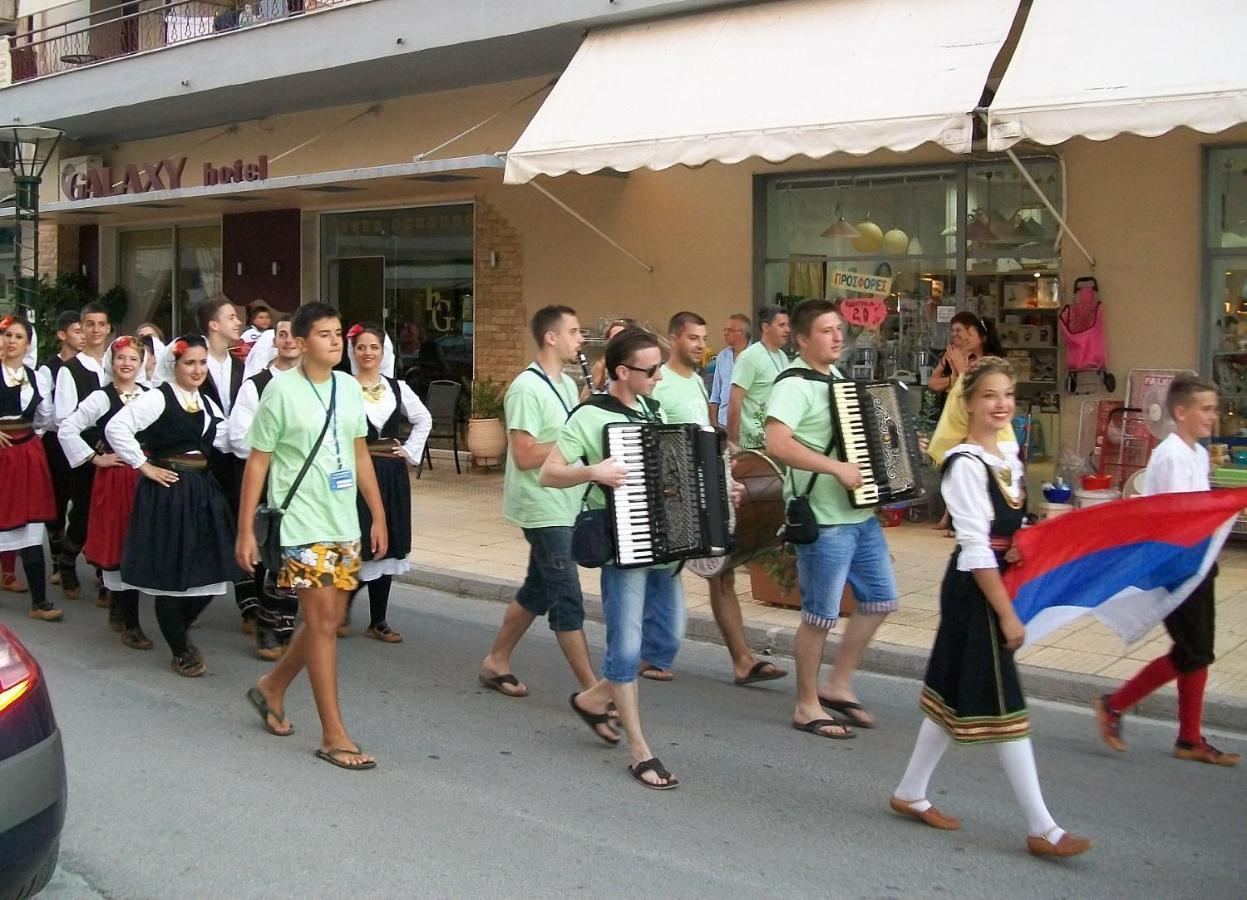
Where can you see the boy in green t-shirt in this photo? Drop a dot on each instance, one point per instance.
(684, 399)
(753, 373)
(538, 404)
(850, 546)
(320, 530)
(630, 597)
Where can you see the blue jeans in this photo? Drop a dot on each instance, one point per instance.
(644, 612)
(857, 554)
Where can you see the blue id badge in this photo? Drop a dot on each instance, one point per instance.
(341, 480)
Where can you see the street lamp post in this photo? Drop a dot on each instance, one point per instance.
(27, 148)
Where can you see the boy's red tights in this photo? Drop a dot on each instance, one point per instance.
(1158, 673)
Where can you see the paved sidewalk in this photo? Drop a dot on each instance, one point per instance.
(461, 543)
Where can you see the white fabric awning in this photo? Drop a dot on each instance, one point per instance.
(1097, 69)
(772, 80)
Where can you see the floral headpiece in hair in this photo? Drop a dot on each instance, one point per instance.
(123, 343)
(179, 347)
(6, 322)
(354, 331)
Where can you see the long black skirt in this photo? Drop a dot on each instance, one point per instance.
(180, 537)
(971, 689)
(394, 482)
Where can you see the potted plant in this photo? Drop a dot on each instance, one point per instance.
(773, 580)
(487, 438)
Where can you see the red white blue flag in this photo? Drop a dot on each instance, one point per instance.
(1128, 563)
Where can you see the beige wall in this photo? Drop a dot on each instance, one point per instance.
(1134, 202)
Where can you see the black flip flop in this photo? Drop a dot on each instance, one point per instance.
(653, 765)
(593, 720)
(664, 675)
(331, 757)
(847, 708)
(815, 726)
(497, 681)
(261, 706)
(759, 673)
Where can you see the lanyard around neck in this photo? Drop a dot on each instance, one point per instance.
(535, 367)
(331, 411)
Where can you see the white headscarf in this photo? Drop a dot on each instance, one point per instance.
(387, 357)
(165, 367)
(262, 354)
(107, 362)
(31, 358)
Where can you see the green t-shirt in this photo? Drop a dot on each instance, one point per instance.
(803, 406)
(540, 408)
(755, 371)
(684, 399)
(582, 437)
(288, 421)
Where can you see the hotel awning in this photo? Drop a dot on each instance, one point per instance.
(1099, 69)
(771, 80)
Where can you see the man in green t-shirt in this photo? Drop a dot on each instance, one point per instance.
(684, 399)
(630, 597)
(850, 547)
(537, 405)
(320, 533)
(753, 374)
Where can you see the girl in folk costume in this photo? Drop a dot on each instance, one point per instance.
(112, 492)
(389, 406)
(971, 693)
(179, 546)
(27, 503)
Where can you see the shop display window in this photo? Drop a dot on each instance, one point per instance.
(1225, 278)
(911, 247)
(411, 271)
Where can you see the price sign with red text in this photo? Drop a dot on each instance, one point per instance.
(864, 313)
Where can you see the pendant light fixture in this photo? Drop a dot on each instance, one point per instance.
(840, 228)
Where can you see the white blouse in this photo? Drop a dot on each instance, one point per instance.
(414, 411)
(42, 381)
(67, 399)
(242, 415)
(122, 430)
(89, 411)
(966, 494)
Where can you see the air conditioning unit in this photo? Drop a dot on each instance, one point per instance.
(76, 165)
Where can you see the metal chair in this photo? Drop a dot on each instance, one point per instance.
(443, 406)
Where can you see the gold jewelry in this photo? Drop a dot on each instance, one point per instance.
(127, 396)
(15, 377)
(191, 406)
(372, 393)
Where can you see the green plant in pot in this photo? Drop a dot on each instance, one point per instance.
(487, 437)
(773, 577)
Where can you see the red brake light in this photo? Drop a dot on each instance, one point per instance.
(18, 672)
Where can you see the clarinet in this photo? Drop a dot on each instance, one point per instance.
(584, 367)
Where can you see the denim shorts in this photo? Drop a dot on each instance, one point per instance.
(644, 613)
(552, 586)
(855, 553)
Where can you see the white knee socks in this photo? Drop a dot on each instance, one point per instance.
(1018, 759)
(928, 750)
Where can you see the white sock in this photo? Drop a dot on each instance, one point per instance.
(928, 750)
(1018, 759)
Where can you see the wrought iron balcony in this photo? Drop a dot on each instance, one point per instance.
(139, 27)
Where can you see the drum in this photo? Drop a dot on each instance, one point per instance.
(759, 517)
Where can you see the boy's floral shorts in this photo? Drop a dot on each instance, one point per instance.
(320, 565)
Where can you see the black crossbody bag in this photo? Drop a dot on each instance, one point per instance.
(267, 520)
(800, 526)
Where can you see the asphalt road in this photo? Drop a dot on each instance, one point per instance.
(176, 791)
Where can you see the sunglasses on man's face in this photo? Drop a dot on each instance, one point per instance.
(648, 372)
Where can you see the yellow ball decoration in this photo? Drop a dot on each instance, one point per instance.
(896, 242)
(869, 238)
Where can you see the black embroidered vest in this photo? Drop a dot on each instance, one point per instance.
(178, 431)
(11, 399)
(389, 431)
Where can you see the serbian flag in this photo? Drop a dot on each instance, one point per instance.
(1129, 563)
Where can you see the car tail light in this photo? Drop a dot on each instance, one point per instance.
(18, 672)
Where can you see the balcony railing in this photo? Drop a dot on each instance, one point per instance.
(137, 27)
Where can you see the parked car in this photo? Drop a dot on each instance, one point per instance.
(32, 774)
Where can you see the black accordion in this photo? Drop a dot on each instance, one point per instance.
(874, 434)
(674, 504)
